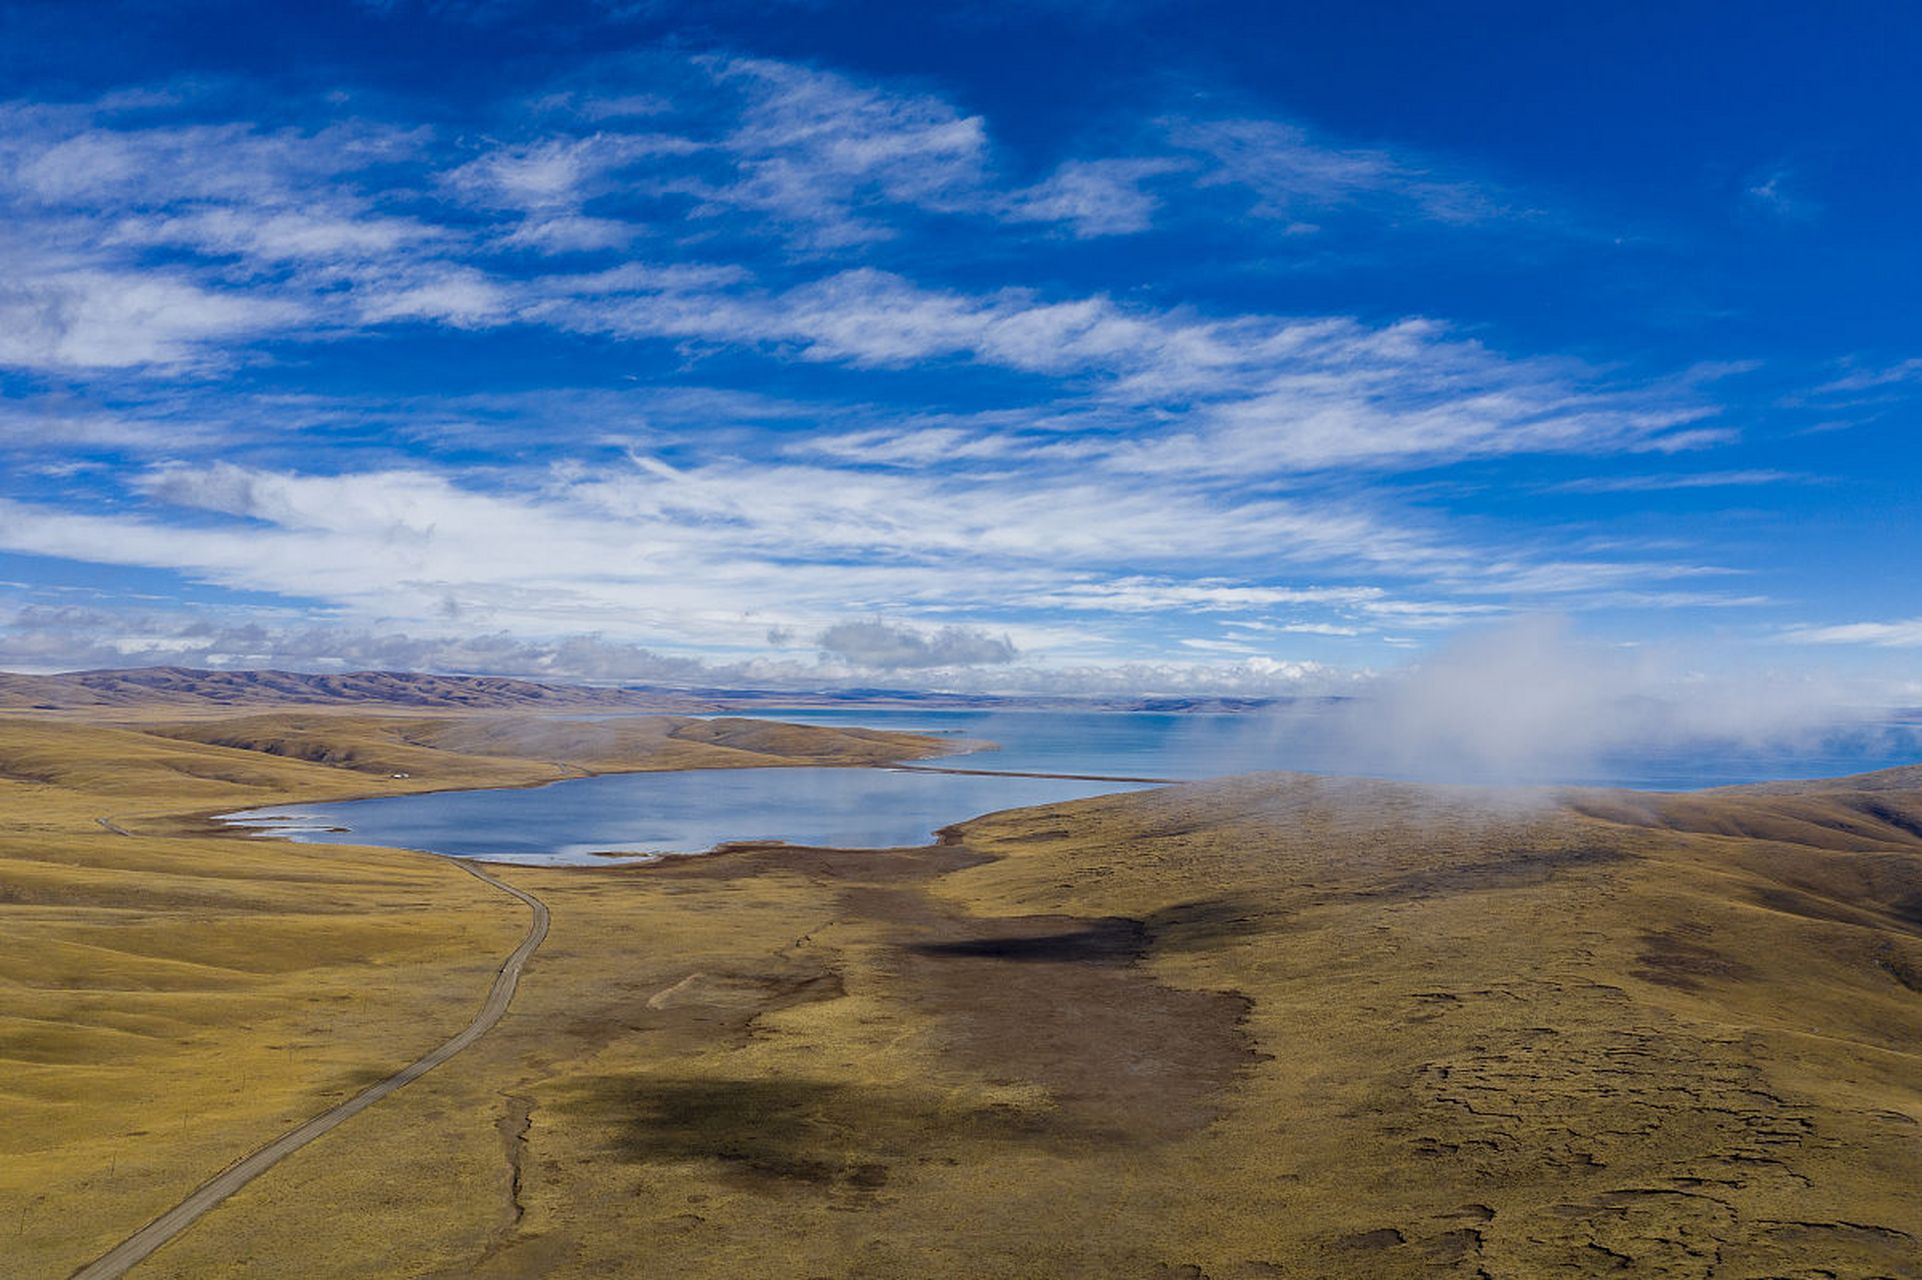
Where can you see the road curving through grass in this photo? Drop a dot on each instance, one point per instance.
(144, 1242)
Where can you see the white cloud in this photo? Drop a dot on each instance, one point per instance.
(1905, 634)
(546, 174)
(716, 553)
(1531, 701)
(65, 639)
(457, 296)
(1309, 628)
(1269, 394)
(811, 148)
(1216, 646)
(1150, 595)
(335, 227)
(277, 236)
(85, 203)
(1093, 197)
(1663, 483)
(570, 233)
(1777, 193)
(706, 554)
(60, 157)
(1293, 176)
(549, 182)
(1143, 463)
(891, 647)
(43, 427)
(1565, 577)
(1428, 614)
(83, 317)
(1871, 377)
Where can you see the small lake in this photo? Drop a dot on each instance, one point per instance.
(573, 821)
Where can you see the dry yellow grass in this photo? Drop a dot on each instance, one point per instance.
(170, 999)
(1273, 1026)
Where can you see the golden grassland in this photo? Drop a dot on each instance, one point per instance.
(1271, 1026)
(172, 997)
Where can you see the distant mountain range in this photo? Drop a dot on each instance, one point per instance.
(186, 687)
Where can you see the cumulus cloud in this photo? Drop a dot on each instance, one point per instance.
(890, 647)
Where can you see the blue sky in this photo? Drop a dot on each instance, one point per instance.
(1109, 347)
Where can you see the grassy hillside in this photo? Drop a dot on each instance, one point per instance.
(441, 746)
(170, 998)
(1271, 1026)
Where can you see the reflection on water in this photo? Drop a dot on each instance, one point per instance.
(659, 813)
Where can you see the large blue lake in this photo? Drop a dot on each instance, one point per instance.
(583, 820)
(1316, 738)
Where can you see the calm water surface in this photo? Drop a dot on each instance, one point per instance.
(1302, 738)
(572, 822)
(688, 812)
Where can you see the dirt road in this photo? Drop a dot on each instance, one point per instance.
(129, 1252)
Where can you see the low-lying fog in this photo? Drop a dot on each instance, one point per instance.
(1527, 703)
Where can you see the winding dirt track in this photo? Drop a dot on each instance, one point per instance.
(136, 1247)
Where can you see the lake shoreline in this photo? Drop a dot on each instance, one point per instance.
(640, 817)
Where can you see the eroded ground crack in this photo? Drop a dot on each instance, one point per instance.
(516, 1119)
